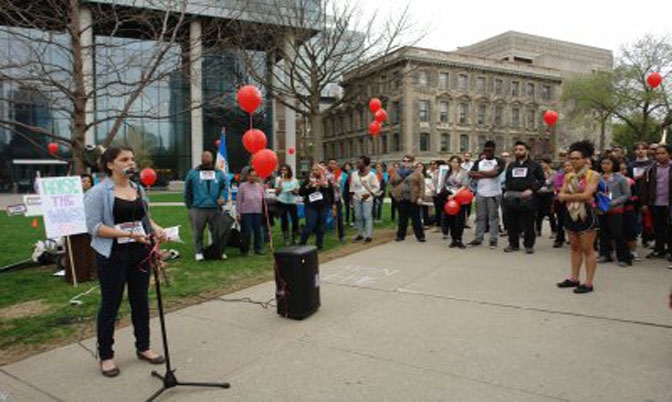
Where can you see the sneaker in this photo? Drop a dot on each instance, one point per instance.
(568, 283)
(199, 257)
(399, 239)
(422, 240)
(624, 264)
(461, 245)
(493, 245)
(529, 250)
(557, 245)
(452, 245)
(368, 240)
(475, 243)
(510, 249)
(224, 256)
(604, 260)
(358, 238)
(655, 254)
(583, 289)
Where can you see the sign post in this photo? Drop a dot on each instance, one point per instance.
(63, 209)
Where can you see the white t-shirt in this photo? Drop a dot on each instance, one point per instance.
(488, 187)
(367, 184)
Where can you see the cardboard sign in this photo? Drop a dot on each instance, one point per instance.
(17, 209)
(63, 206)
(33, 205)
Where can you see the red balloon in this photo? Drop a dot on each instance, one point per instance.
(291, 151)
(380, 115)
(148, 177)
(374, 128)
(53, 148)
(654, 79)
(464, 197)
(254, 140)
(265, 162)
(217, 143)
(375, 104)
(249, 98)
(452, 207)
(550, 117)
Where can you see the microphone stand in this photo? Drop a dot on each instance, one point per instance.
(169, 380)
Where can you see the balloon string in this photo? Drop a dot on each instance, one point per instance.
(251, 126)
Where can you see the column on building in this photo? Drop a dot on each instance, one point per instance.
(86, 38)
(196, 89)
(290, 114)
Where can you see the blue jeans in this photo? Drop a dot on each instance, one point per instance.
(487, 214)
(316, 221)
(250, 224)
(364, 217)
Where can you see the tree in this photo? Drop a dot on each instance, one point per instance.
(625, 95)
(328, 41)
(133, 49)
(590, 97)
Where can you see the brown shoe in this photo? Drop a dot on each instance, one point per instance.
(156, 360)
(113, 372)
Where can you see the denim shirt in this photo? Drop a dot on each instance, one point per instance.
(99, 207)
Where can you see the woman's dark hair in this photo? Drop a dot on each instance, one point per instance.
(455, 157)
(615, 166)
(83, 175)
(290, 174)
(585, 148)
(110, 155)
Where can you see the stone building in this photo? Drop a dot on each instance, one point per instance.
(444, 103)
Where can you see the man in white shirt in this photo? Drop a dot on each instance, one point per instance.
(488, 194)
(364, 187)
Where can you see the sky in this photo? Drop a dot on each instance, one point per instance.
(603, 24)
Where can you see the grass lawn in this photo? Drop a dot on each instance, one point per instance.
(160, 196)
(45, 317)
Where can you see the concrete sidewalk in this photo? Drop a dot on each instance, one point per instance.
(403, 322)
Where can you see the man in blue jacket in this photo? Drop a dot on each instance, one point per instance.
(205, 191)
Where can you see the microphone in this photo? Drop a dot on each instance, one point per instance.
(130, 172)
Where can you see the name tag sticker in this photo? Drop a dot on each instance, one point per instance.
(316, 196)
(638, 171)
(519, 172)
(487, 165)
(207, 175)
(132, 227)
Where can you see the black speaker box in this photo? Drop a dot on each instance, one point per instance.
(297, 281)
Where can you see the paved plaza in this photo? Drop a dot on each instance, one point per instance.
(403, 322)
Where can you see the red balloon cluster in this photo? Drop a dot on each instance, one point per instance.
(452, 207)
(265, 162)
(379, 116)
(551, 117)
(291, 151)
(254, 140)
(654, 79)
(53, 148)
(148, 177)
(464, 197)
(249, 98)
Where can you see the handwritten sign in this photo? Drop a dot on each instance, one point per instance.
(63, 206)
(33, 205)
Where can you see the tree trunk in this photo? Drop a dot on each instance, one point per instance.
(79, 93)
(603, 133)
(316, 134)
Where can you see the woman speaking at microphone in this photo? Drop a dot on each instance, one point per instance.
(119, 225)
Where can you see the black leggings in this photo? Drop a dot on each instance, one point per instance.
(544, 209)
(611, 230)
(454, 224)
(288, 211)
(125, 266)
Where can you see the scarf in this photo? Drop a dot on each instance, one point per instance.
(404, 172)
(321, 179)
(576, 183)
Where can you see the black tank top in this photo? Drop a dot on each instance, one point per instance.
(128, 211)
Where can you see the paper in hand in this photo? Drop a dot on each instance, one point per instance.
(173, 234)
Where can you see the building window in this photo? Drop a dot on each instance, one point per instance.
(424, 142)
(383, 143)
(444, 80)
(396, 142)
(423, 78)
(361, 149)
(324, 150)
(341, 149)
(362, 122)
(464, 113)
(371, 146)
(499, 112)
(445, 142)
(481, 114)
(351, 125)
(515, 117)
(462, 81)
(464, 143)
(480, 85)
(423, 110)
(546, 92)
(351, 149)
(396, 79)
(531, 118)
(500, 142)
(481, 141)
(499, 86)
(530, 90)
(443, 111)
(515, 88)
(396, 111)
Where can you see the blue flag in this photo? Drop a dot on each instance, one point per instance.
(222, 161)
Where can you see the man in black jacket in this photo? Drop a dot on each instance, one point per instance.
(655, 189)
(524, 178)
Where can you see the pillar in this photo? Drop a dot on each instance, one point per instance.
(86, 38)
(196, 90)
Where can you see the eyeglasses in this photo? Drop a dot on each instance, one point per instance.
(575, 158)
(406, 160)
